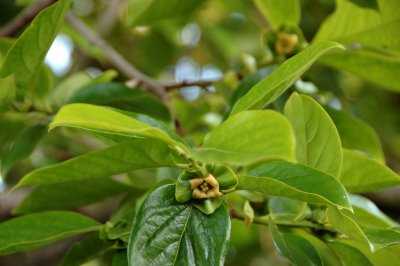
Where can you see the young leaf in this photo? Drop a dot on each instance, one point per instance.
(355, 134)
(317, 140)
(23, 146)
(168, 232)
(280, 12)
(297, 249)
(271, 138)
(70, 194)
(128, 156)
(144, 12)
(296, 181)
(375, 238)
(118, 95)
(363, 174)
(107, 121)
(270, 88)
(25, 57)
(36, 230)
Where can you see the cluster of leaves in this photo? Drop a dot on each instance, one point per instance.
(302, 160)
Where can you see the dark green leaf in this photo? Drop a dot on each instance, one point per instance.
(23, 146)
(171, 233)
(36, 230)
(317, 140)
(297, 249)
(280, 12)
(70, 194)
(363, 174)
(85, 251)
(356, 134)
(120, 259)
(373, 4)
(270, 88)
(136, 154)
(118, 95)
(296, 181)
(25, 57)
(271, 138)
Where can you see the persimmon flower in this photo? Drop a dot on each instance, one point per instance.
(205, 187)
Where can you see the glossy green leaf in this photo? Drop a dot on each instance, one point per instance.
(118, 95)
(168, 232)
(70, 194)
(328, 256)
(366, 3)
(287, 209)
(368, 214)
(106, 121)
(317, 140)
(349, 255)
(23, 146)
(296, 181)
(355, 134)
(136, 154)
(363, 174)
(7, 91)
(25, 57)
(144, 12)
(280, 12)
(271, 138)
(270, 88)
(84, 251)
(36, 230)
(375, 238)
(295, 248)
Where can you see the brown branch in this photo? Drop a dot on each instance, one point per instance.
(24, 18)
(117, 60)
(183, 84)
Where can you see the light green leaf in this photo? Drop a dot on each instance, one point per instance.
(118, 95)
(296, 181)
(363, 174)
(107, 121)
(317, 140)
(280, 12)
(171, 233)
(271, 138)
(36, 230)
(144, 12)
(375, 238)
(70, 194)
(25, 57)
(136, 154)
(297, 249)
(23, 146)
(355, 134)
(282, 208)
(376, 66)
(349, 255)
(270, 88)
(84, 251)
(367, 213)
(7, 91)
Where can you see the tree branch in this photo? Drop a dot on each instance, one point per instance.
(116, 59)
(183, 84)
(24, 18)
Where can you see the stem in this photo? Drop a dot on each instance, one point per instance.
(24, 18)
(116, 59)
(183, 84)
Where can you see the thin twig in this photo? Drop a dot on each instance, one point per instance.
(183, 84)
(24, 18)
(116, 59)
